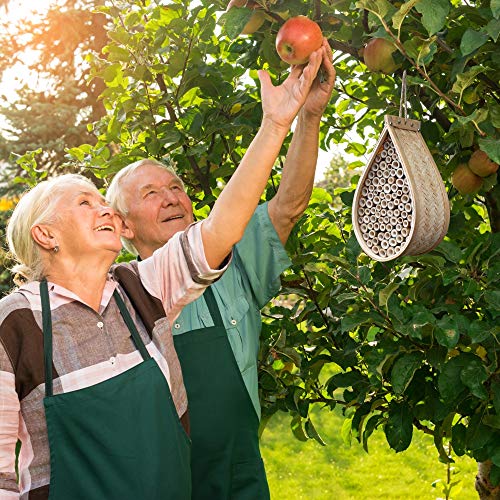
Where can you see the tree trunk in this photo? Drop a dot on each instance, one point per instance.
(484, 488)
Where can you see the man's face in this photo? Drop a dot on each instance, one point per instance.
(158, 207)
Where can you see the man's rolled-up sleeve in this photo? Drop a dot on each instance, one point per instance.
(178, 272)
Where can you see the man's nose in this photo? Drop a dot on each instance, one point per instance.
(169, 197)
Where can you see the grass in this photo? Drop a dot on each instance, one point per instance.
(306, 470)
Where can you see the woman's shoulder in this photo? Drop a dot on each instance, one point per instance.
(13, 301)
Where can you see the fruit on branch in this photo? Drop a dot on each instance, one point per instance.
(465, 180)
(377, 54)
(256, 19)
(481, 165)
(297, 39)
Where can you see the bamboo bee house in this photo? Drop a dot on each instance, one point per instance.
(400, 205)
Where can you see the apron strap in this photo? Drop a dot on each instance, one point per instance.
(213, 307)
(47, 336)
(139, 344)
(47, 332)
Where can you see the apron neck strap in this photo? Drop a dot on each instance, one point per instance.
(47, 332)
(213, 307)
(139, 344)
(47, 336)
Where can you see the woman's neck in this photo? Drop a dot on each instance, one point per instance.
(85, 280)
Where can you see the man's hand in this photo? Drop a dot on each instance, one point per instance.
(322, 87)
(281, 104)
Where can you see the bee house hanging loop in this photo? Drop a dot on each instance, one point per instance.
(400, 205)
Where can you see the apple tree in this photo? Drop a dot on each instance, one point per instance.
(405, 345)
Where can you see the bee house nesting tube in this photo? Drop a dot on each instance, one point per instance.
(405, 181)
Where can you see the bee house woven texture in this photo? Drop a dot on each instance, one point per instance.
(400, 205)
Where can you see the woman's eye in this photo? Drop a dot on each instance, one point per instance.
(84, 202)
(149, 193)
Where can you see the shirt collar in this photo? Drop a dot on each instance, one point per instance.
(67, 295)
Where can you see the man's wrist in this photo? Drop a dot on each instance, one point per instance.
(310, 116)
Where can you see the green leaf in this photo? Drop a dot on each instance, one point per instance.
(370, 426)
(398, 18)
(351, 321)
(386, 293)
(313, 433)
(495, 391)
(447, 332)
(346, 431)
(495, 8)
(478, 332)
(450, 382)
(379, 7)
(364, 274)
(297, 429)
(347, 379)
(434, 14)
(234, 20)
(492, 297)
(472, 40)
(491, 147)
(473, 376)
(458, 439)
(466, 79)
(399, 427)
(403, 370)
(493, 29)
(450, 250)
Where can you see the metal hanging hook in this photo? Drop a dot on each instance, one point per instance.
(402, 101)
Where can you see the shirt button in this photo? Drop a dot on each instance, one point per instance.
(112, 360)
(177, 326)
(100, 324)
(233, 322)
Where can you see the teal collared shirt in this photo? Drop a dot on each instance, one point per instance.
(249, 283)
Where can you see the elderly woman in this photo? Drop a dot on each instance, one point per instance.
(89, 381)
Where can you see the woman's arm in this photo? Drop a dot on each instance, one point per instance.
(9, 425)
(237, 202)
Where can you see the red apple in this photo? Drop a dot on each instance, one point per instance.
(378, 56)
(481, 165)
(297, 39)
(466, 181)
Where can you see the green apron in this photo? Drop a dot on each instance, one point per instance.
(225, 456)
(120, 439)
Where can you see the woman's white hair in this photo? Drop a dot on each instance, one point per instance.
(37, 206)
(115, 195)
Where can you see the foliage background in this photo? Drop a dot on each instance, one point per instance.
(413, 343)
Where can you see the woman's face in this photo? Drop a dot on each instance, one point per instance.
(85, 223)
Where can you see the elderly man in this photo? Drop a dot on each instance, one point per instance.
(217, 336)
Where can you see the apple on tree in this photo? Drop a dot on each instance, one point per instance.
(297, 39)
(377, 54)
(481, 165)
(465, 180)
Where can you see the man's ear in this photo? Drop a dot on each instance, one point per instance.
(126, 231)
(43, 236)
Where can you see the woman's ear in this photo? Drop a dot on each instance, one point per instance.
(43, 236)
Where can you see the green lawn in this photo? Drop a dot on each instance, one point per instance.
(305, 470)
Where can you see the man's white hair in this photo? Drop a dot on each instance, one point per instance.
(115, 195)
